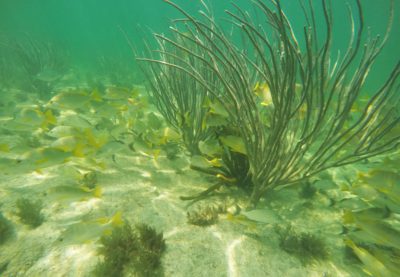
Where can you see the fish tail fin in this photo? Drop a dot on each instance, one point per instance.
(50, 118)
(4, 147)
(350, 243)
(95, 96)
(156, 153)
(79, 150)
(363, 177)
(98, 192)
(226, 179)
(117, 219)
(388, 212)
(348, 217)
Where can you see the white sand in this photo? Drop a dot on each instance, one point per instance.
(148, 191)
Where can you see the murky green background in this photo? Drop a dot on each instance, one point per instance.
(88, 29)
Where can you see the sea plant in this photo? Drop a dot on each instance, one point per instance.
(289, 96)
(38, 63)
(178, 97)
(4, 71)
(192, 111)
(203, 216)
(304, 246)
(89, 179)
(117, 250)
(307, 190)
(114, 69)
(128, 248)
(152, 246)
(5, 229)
(30, 212)
(3, 266)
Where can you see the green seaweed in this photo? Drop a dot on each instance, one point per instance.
(152, 245)
(127, 248)
(205, 216)
(305, 246)
(5, 229)
(3, 266)
(89, 179)
(118, 249)
(307, 191)
(30, 212)
(350, 257)
(171, 150)
(237, 167)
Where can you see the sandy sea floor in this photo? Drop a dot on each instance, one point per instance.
(147, 190)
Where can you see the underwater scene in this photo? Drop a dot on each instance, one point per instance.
(242, 138)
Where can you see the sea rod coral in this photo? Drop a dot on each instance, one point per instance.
(293, 102)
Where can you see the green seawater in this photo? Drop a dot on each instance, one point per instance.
(95, 181)
(89, 29)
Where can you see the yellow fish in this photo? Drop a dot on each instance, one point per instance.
(263, 91)
(211, 148)
(61, 131)
(66, 144)
(74, 99)
(90, 231)
(378, 230)
(72, 193)
(242, 220)
(95, 95)
(373, 266)
(235, 143)
(117, 93)
(202, 162)
(216, 108)
(384, 181)
(31, 118)
(4, 147)
(226, 179)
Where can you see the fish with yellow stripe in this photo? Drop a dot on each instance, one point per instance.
(373, 266)
(88, 231)
(263, 91)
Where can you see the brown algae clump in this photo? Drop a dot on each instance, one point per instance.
(6, 229)
(128, 248)
(305, 246)
(29, 212)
